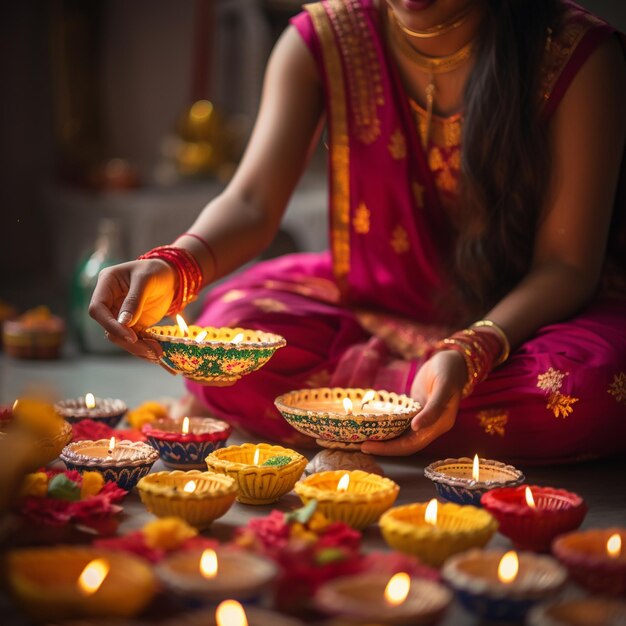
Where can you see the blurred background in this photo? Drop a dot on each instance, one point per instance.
(120, 120)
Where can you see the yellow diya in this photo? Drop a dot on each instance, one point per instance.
(433, 534)
(197, 497)
(213, 356)
(65, 582)
(263, 472)
(356, 497)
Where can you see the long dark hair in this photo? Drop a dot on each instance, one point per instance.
(505, 162)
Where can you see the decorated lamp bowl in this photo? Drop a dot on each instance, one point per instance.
(322, 414)
(454, 482)
(125, 464)
(596, 611)
(221, 357)
(185, 451)
(107, 411)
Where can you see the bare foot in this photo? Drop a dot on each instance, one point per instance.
(189, 406)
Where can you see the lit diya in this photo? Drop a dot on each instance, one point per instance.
(213, 356)
(107, 411)
(377, 598)
(123, 462)
(595, 559)
(531, 516)
(184, 442)
(345, 418)
(465, 480)
(500, 586)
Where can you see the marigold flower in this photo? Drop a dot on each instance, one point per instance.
(167, 533)
(35, 484)
(92, 484)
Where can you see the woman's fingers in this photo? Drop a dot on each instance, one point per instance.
(101, 308)
(143, 348)
(132, 306)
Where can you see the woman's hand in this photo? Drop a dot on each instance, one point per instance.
(130, 297)
(437, 386)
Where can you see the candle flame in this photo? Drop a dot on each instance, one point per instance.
(614, 546)
(238, 338)
(93, 576)
(530, 501)
(202, 336)
(90, 401)
(397, 588)
(190, 486)
(208, 563)
(184, 329)
(343, 483)
(230, 613)
(256, 456)
(430, 515)
(370, 394)
(111, 445)
(508, 567)
(476, 468)
(347, 406)
(185, 427)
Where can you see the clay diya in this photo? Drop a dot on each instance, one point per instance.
(197, 497)
(184, 443)
(107, 411)
(263, 472)
(231, 613)
(465, 480)
(531, 516)
(500, 586)
(345, 418)
(579, 612)
(355, 497)
(123, 462)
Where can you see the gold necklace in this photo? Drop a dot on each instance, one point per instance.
(438, 29)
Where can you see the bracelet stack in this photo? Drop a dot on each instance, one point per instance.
(188, 273)
(481, 350)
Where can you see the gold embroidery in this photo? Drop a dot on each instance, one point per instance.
(560, 404)
(618, 388)
(435, 159)
(318, 379)
(361, 220)
(493, 422)
(362, 66)
(452, 130)
(455, 159)
(339, 146)
(418, 192)
(270, 305)
(446, 181)
(397, 145)
(233, 295)
(400, 240)
(551, 380)
(445, 131)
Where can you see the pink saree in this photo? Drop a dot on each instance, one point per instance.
(366, 312)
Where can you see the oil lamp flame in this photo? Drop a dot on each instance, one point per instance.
(397, 588)
(111, 445)
(343, 483)
(508, 567)
(201, 336)
(190, 486)
(476, 468)
(257, 453)
(430, 515)
(185, 427)
(614, 546)
(208, 563)
(230, 613)
(90, 401)
(530, 501)
(238, 338)
(347, 406)
(368, 397)
(93, 576)
(184, 329)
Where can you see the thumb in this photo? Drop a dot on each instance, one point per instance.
(131, 308)
(433, 409)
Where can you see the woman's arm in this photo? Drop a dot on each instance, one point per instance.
(587, 137)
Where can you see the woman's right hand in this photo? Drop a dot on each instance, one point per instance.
(130, 297)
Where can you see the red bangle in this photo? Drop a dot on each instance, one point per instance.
(206, 245)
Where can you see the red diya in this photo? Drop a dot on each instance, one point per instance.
(595, 559)
(184, 443)
(531, 516)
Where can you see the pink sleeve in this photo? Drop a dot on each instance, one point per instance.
(304, 25)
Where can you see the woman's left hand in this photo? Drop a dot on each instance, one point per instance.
(437, 386)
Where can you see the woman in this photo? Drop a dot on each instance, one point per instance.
(474, 162)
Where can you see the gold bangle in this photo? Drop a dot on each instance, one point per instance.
(506, 346)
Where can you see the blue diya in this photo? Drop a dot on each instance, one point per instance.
(123, 462)
(464, 480)
(107, 411)
(184, 443)
(214, 356)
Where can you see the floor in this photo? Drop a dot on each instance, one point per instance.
(600, 483)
